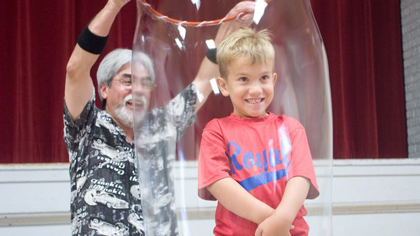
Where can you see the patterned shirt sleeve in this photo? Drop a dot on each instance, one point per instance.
(182, 109)
(74, 131)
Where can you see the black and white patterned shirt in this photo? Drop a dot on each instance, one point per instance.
(105, 191)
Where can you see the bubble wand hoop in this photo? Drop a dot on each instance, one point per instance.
(149, 7)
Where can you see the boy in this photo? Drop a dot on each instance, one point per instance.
(256, 164)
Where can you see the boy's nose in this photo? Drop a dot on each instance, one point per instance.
(255, 88)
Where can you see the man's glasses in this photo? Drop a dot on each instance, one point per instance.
(145, 82)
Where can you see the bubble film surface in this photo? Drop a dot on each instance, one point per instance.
(169, 55)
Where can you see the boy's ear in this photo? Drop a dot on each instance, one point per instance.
(274, 78)
(104, 91)
(222, 86)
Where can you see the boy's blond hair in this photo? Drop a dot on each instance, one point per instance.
(245, 43)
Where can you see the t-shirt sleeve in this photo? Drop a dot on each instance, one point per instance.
(182, 109)
(301, 163)
(213, 163)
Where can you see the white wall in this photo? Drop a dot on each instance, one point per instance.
(376, 197)
(369, 197)
(410, 27)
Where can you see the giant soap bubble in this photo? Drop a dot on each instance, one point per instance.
(170, 45)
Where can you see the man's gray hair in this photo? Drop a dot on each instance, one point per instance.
(115, 60)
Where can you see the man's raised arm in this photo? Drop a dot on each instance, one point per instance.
(91, 42)
(208, 69)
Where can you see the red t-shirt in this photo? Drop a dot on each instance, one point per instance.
(261, 154)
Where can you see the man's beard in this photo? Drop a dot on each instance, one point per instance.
(140, 108)
(123, 115)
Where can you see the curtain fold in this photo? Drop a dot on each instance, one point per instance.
(364, 48)
(36, 42)
(362, 40)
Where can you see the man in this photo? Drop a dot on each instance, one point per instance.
(105, 190)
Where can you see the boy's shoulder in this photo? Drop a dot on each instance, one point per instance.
(232, 119)
(220, 123)
(291, 122)
(217, 121)
(290, 119)
(271, 117)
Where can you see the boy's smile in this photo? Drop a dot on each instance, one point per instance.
(250, 87)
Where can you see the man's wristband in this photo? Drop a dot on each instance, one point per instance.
(211, 55)
(90, 42)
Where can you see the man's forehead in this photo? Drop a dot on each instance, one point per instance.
(140, 70)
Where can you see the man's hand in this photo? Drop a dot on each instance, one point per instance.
(79, 86)
(118, 3)
(246, 9)
(208, 69)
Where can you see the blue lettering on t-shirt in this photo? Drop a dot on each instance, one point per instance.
(262, 161)
(232, 157)
(261, 179)
(248, 160)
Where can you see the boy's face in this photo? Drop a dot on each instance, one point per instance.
(250, 87)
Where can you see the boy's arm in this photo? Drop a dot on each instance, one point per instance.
(280, 221)
(208, 69)
(237, 200)
(79, 86)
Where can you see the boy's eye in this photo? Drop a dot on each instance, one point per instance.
(243, 79)
(265, 77)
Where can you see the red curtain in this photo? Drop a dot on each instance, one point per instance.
(364, 48)
(37, 38)
(362, 39)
